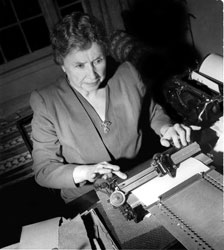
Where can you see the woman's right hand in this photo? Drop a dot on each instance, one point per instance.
(90, 172)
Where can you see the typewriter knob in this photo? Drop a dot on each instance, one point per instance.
(117, 198)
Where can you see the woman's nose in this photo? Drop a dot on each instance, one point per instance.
(92, 72)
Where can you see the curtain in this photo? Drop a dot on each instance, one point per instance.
(109, 12)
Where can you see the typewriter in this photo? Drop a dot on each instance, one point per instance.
(191, 210)
(197, 95)
(119, 193)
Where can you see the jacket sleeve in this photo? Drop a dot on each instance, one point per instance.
(50, 170)
(158, 117)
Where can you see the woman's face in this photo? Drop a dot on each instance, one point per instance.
(86, 69)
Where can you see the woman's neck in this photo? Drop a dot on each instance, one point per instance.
(93, 95)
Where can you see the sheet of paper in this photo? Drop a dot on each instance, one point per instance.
(149, 192)
(212, 85)
(212, 66)
(41, 235)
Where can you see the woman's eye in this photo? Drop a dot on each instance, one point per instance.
(80, 66)
(99, 60)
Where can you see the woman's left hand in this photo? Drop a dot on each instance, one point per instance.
(178, 134)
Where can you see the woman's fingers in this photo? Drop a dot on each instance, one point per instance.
(105, 167)
(120, 174)
(178, 134)
(187, 132)
(193, 127)
(103, 171)
(93, 176)
(106, 170)
(181, 135)
(109, 166)
(164, 142)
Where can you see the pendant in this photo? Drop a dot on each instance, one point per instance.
(106, 126)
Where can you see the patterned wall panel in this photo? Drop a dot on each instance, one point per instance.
(15, 158)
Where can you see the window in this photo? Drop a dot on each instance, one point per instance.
(24, 29)
(67, 6)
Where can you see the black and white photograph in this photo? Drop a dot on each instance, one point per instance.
(111, 124)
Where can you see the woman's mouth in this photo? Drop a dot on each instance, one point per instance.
(93, 83)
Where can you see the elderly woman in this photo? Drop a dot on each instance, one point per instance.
(86, 123)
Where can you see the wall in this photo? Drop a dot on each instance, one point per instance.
(16, 86)
(207, 26)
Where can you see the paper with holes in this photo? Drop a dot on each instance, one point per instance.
(150, 192)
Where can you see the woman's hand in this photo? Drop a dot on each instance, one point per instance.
(178, 134)
(90, 172)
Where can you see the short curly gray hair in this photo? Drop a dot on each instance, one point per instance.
(76, 31)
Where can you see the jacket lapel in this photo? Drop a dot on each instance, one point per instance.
(79, 120)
